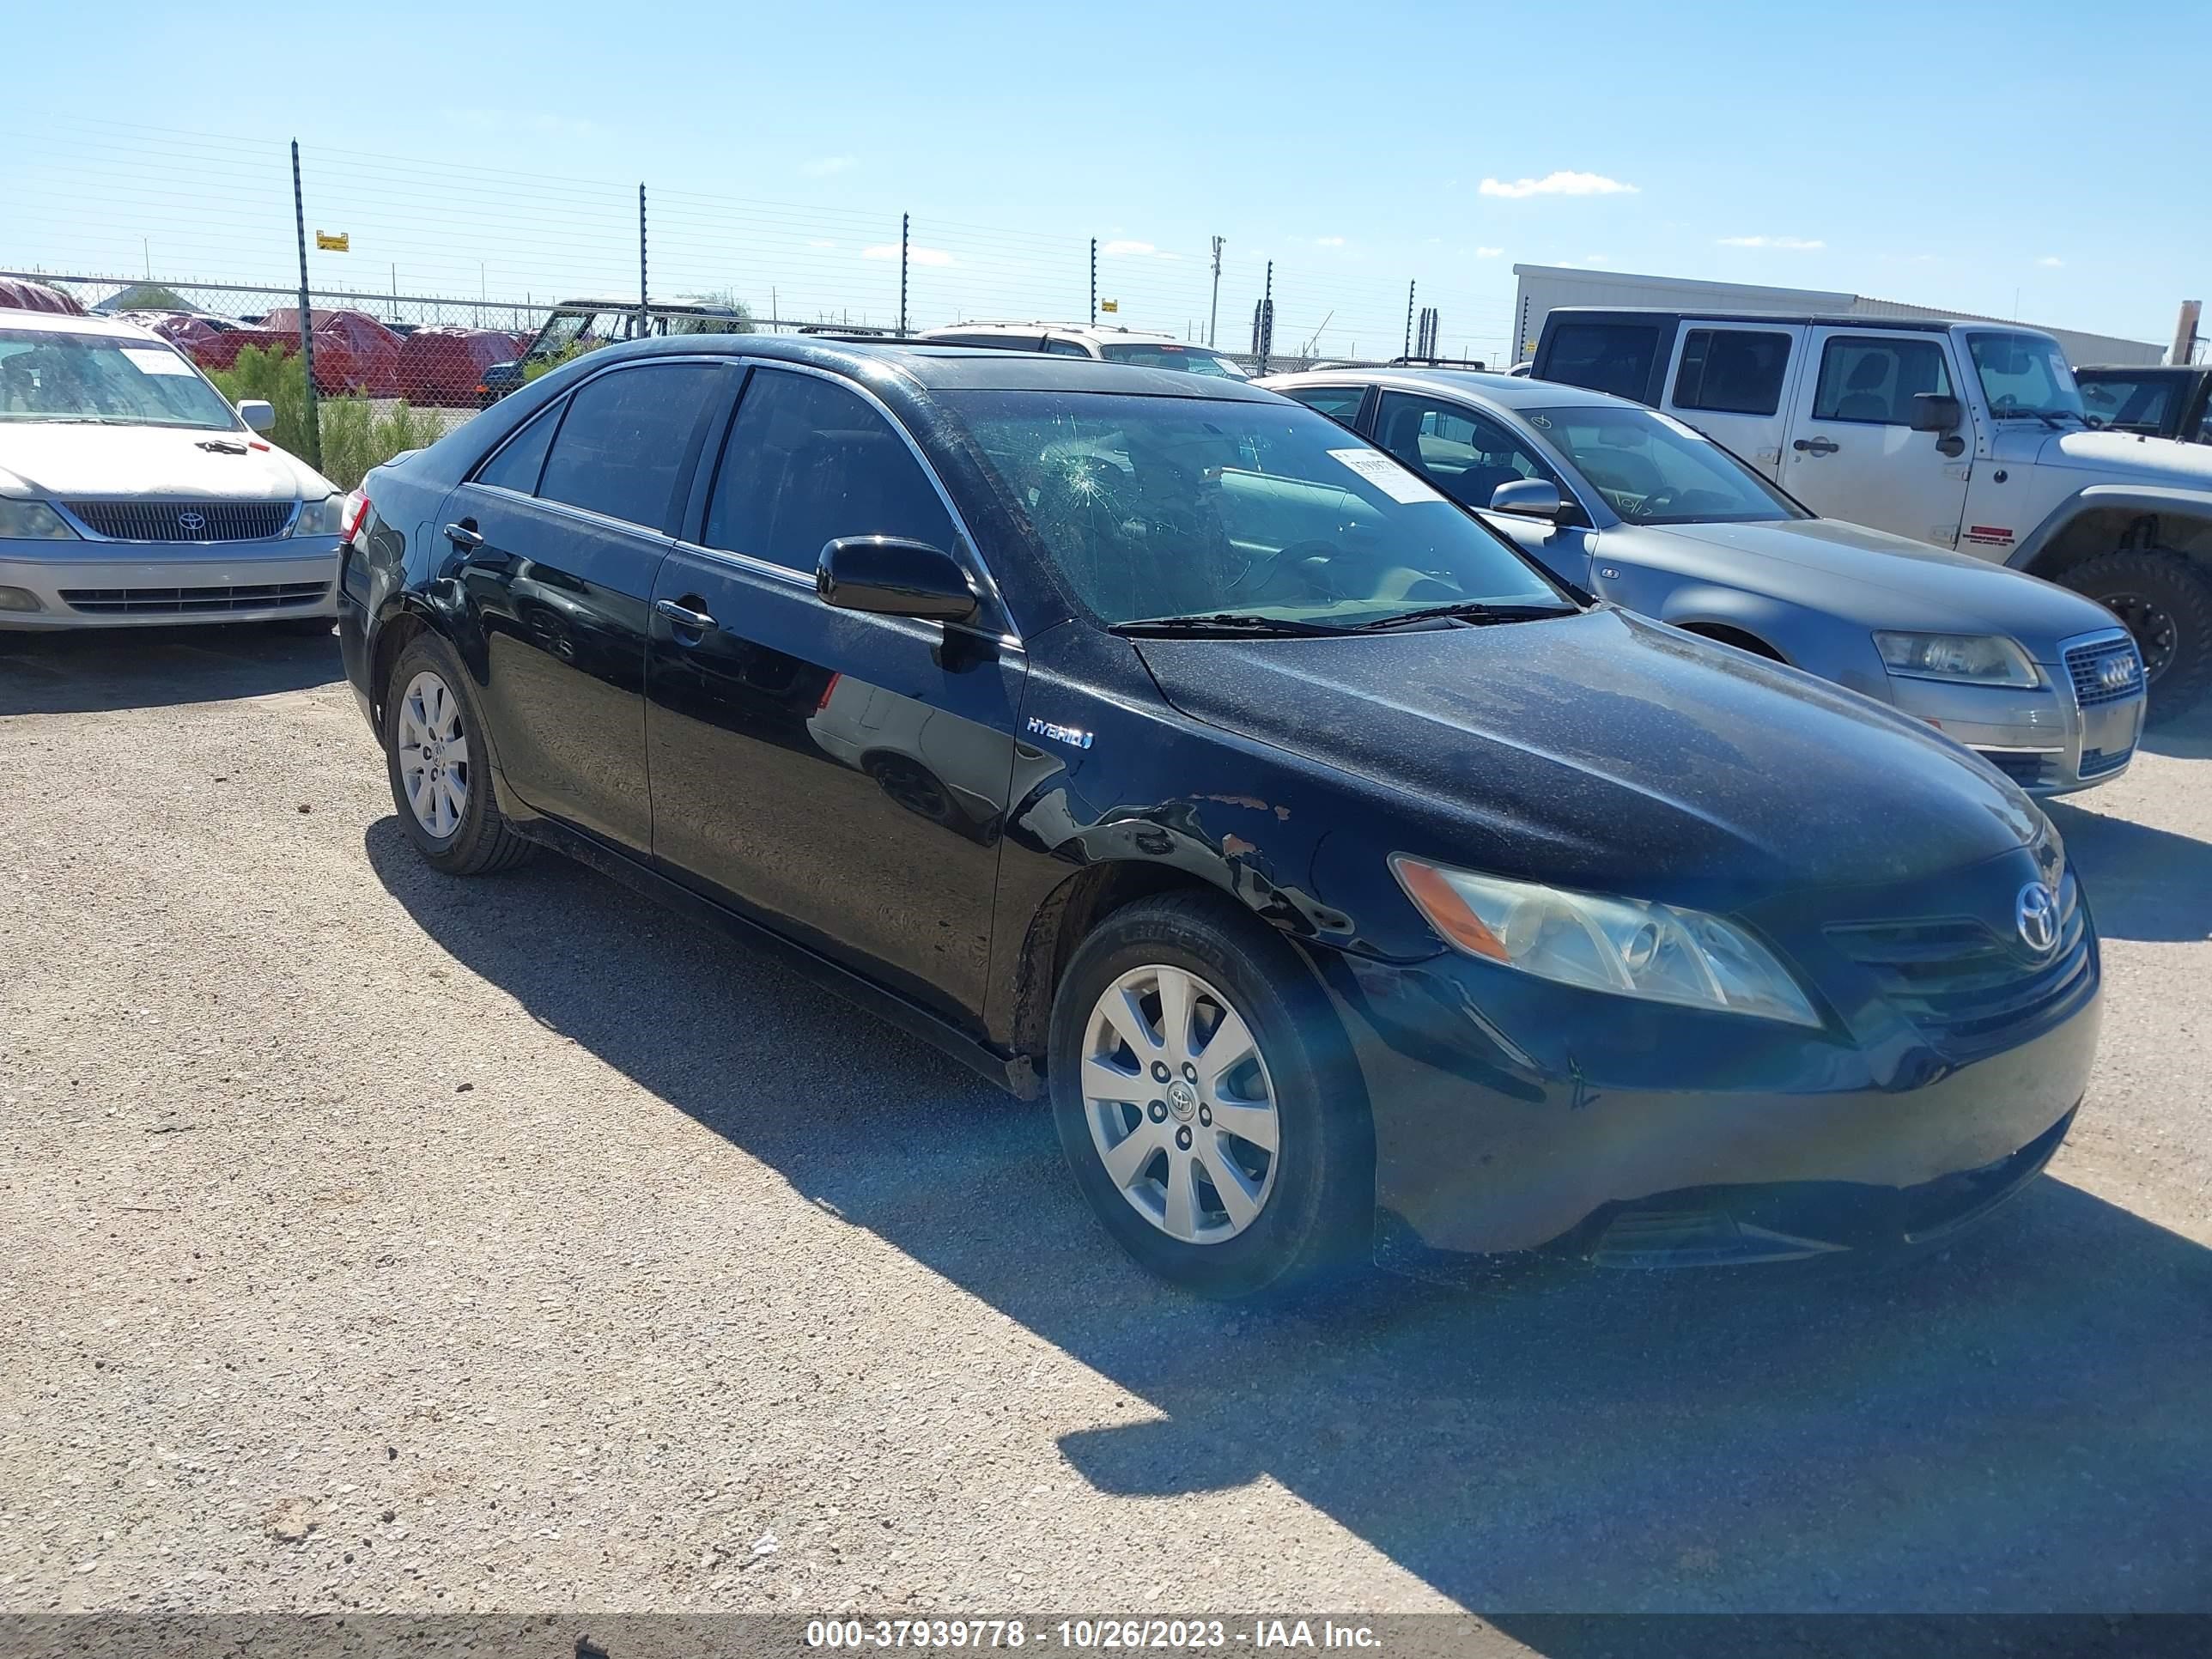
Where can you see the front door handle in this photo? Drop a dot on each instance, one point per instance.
(464, 535)
(1816, 445)
(684, 618)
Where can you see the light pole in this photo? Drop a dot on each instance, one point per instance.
(1214, 315)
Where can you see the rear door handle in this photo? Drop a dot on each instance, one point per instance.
(697, 622)
(464, 535)
(1816, 445)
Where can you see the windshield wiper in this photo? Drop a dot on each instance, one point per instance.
(1469, 611)
(1229, 622)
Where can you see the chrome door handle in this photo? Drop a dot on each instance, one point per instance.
(684, 616)
(464, 535)
(1816, 445)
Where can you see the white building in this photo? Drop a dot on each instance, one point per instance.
(1543, 288)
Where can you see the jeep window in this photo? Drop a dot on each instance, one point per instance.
(2130, 405)
(1195, 359)
(1873, 379)
(1166, 508)
(1466, 455)
(1067, 348)
(1732, 371)
(1340, 402)
(1614, 357)
(2023, 374)
(1653, 470)
(105, 379)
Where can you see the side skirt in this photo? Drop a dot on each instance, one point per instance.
(1015, 1073)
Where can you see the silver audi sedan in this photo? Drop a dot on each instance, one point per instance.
(1640, 509)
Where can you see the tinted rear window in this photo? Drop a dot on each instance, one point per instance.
(1614, 357)
(625, 441)
(1732, 371)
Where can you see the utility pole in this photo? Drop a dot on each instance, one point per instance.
(1094, 281)
(643, 327)
(903, 223)
(307, 317)
(1409, 319)
(2184, 332)
(1214, 315)
(1267, 317)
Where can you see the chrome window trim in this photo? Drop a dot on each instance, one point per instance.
(967, 551)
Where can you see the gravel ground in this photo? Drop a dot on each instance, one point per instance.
(371, 1240)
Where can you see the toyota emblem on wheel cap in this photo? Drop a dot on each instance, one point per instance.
(2037, 913)
(192, 521)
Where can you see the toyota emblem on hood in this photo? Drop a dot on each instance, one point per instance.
(2036, 913)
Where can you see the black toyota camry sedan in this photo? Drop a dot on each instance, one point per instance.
(1156, 745)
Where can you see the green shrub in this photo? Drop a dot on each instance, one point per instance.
(358, 433)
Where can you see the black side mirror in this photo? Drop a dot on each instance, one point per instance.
(1529, 498)
(1935, 412)
(892, 576)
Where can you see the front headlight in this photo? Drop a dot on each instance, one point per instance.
(1630, 947)
(320, 518)
(32, 521)
(1972, 659)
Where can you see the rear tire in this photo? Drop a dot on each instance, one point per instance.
(2164, 599)
(438, 764)
(1168, 1142)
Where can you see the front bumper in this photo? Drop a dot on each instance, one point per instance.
(1514, 1115)
(2042, 737)
(162, 584)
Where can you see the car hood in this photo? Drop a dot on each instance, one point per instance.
(66, 460)
(1604, 751)
(2129, 456)
(1868, 577)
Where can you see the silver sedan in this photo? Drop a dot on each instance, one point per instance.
(1636, 508)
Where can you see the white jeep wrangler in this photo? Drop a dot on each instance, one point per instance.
(1966, 434)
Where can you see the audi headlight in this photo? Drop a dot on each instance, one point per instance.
(321, 518)
(32, 521)
(1629, 947)
(1971, 658)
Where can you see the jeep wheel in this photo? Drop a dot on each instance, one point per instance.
(2165, 600)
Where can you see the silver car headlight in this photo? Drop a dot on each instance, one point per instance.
(1970, 659)
(1629, 947)
(32, 521)
(321, 518)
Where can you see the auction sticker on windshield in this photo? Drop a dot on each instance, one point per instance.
(1385, 475)
(153, 360)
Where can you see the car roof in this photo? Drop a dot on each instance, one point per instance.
(1507, 391)
(55, 322)
(936, 367)
(1825, 318)
(2142, 371)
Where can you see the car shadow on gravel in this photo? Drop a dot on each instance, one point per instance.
(2018, 1424)
(2142, 883)
(94, 669)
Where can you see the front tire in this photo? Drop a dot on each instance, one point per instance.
(1207, 1102)
(436, 759)
(2165, 600)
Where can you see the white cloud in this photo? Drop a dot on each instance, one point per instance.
(823, 166)
(915, 254)
(1134, 249)
(818, 241)
(1557, 184)
(1488, 252)
(1787, 243)
(2052, 260)
(1329, 241)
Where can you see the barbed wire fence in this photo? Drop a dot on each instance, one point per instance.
(408, 282)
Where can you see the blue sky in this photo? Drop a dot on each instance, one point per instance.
(1967, 156)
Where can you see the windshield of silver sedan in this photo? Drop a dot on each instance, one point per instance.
(1652, 470)
(104, 379)
(1265, 516)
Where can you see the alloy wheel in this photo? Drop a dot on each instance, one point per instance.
(434, 754)
(1180, 1108)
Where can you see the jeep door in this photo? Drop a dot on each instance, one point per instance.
(839, 777)
(1733, 382)
(1852, 453)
